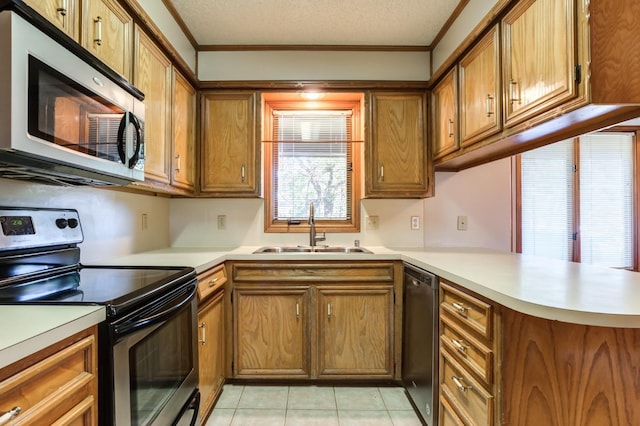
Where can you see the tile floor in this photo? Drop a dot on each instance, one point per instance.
(312, 405)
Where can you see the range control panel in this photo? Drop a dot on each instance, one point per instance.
(23, 228)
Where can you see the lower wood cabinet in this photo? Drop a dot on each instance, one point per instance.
(314, 320)
(57, 385)
(211, 337)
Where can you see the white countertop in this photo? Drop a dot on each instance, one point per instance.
(27, 329)
(545, 288)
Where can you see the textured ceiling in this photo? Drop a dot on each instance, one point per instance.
(315, 22)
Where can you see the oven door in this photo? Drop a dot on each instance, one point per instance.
(155, 360)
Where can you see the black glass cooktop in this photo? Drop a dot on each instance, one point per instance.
(112, 286)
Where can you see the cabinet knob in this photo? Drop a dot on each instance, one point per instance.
(213, 281)
(178, 167)
(62, 10)
(450, 128)
(242, 173)
(7, 416)
(98, 38)
(459, 344)
(489, 102)
(329, 311)
(203, 331)
(512, 96)
(382, 172)
(297, 309)
(459, 382)
(460, 308)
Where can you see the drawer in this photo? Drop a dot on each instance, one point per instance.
(316, 272)
(447, 415)
(473, 354)
(210, 281)
(59, 386)
(473, 313)
(470, 400)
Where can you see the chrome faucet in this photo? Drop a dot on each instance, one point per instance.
(313, 237)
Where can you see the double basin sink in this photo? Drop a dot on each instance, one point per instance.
(310, 249)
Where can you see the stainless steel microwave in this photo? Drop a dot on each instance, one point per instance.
(63, 121)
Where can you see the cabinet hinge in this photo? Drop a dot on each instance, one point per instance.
(578, 74)
(349, 167)
(574, 236)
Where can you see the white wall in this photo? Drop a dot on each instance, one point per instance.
(313, 65)
(483, 194)
(111, 220)
(194, 223)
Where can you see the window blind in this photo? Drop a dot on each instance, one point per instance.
(312, 161)
(547, 201)
(606, 199)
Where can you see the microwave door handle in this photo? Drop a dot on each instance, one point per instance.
(140, 322)
(136, 154)
(120, 139)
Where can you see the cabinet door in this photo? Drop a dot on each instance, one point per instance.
(62, 14)
(153, 78)
(271, 333)
(480, 101)
(539, 57)
(354, 335)
(230, 155)
(397, 157)
(445, 115)
(184, 125)
(106, 33)
(211, 346)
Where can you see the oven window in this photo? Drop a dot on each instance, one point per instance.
(158, 364)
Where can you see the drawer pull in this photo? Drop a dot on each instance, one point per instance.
(213, 281)
(98, 38)
(203, 335)
(297, 309)
(462, 310)
(6, 417)
(459, 344)
(450, 128)
(459, 382)
(489, 103)
(329, 310)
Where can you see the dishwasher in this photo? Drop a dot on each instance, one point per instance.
(420, 341)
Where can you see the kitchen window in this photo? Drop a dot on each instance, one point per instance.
(576, 200)
(312, 155)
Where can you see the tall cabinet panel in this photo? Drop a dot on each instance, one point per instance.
(480, 100)
(184, 131)
(153, 77)
(230, 154)
(397, 163)
(445, 115)
(107, 30)
(539, 57)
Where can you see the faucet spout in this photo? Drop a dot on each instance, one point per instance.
(313, 237)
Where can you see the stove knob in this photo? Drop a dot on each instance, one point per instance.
(61, 223)
(73, 223)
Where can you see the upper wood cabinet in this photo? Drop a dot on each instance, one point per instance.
(153, 77)
(106, 32)
(184, 133)
(445, 115)
(480, 99)
(539, 57)
(397, 163)
(63, 14)
(230, 154)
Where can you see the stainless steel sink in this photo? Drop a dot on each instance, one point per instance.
(309, 249)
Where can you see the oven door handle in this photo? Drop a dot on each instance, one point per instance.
(136, 323)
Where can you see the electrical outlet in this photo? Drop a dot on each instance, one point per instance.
(222, 221)
(372, 223)
(415, 222)
(462, 223)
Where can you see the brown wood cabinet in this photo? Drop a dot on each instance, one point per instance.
(211, 337)
(64, 15)
(313, 320)
(539, 57)
(480, 100)
(184, 133)
(469, 339)
(57, 385)
(445, 115)
(398, 163)
(230, 153)
(106, 32)
(152, 76)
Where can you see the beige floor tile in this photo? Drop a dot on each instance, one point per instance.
(230, 396)
(358, 398)
(364, 418)
(311, 397)
(394, 398)
(311, 418)
(220, 417)
(261, 417)
(404, 418)
(264, 397)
